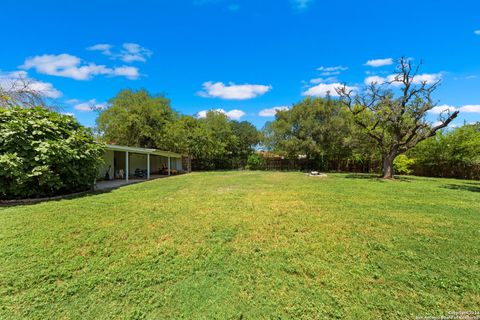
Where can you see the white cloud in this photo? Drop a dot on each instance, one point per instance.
(234, 114)
(393, 80)
(66, 65)
(272, 111)
(471, 108)
(428, 78)
(68, 114)
(134, 52)
(450, 126)
(128, 72)
(469, 77)
(442, 109)
(63, 65)
(323, 80)
(336, 68)
(437, 123)
(104, 48)
(131, 52)
(232, 91)
(301, 4)
(379, 62)
(331, 71)
(46, 89)
(477, 32)
(84, 107)
(15, 79)
(203, 113)
(420, 78)
(375, 79)
(322, 89)
(90, 105)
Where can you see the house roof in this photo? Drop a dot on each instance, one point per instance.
(156, 152)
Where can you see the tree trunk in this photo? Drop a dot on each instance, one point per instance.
(387, 166)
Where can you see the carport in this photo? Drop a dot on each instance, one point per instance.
(125, 163)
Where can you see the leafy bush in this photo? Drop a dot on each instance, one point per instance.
(402, 164)
(451, 153)
(255, 162)
(44, 153)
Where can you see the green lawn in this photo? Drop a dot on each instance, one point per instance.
(233, 245)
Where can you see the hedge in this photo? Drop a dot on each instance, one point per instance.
(44, 153)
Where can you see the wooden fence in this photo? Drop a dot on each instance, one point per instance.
(277, 164)
(459, 171)
(447, 170)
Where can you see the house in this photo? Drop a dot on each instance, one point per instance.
(121, 162)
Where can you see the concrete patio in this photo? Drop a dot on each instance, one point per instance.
(117, 183)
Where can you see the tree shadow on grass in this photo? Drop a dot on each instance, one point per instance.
(33, 201)
(363, 176)
(468, 186)
(68, 196)
(376, 177)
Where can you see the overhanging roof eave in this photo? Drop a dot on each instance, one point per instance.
(114, 147)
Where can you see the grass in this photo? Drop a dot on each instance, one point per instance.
(233, 245)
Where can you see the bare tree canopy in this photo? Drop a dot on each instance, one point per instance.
(393, 113)
(21, 91)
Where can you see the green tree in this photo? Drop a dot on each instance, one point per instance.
(255, 162)
(248, 137)
(221, 131)
(403, 164)
(395, 123)
(137, 119)
(318, 128)
(191, 137)
(214, 142)
(44, 153)
(452, 153)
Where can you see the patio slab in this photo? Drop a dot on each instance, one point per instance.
(117, 183)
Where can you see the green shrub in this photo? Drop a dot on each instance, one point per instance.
(255, 162)
(451, 153)
(402, 164)
(44, 153)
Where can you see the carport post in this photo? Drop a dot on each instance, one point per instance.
(148, 166)
(126, 166)
(168, 165)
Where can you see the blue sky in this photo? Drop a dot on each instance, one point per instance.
(244, 57)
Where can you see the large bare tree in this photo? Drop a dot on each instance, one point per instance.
(21, 91)
(393, 112)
